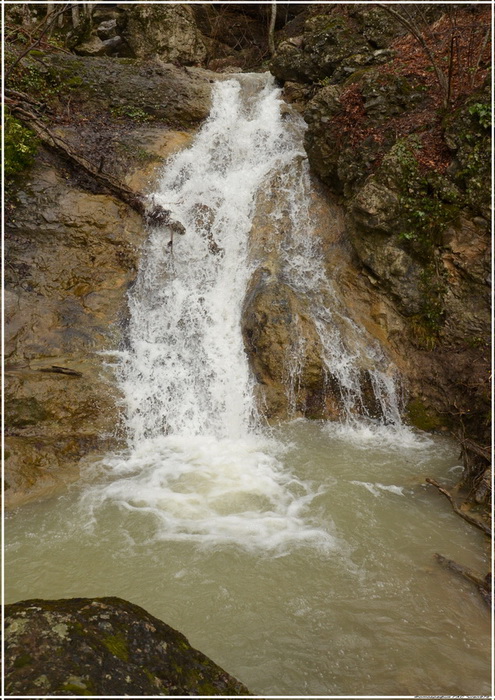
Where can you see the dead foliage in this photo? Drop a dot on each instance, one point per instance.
(460, 44)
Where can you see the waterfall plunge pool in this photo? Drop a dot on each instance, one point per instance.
(320, 581)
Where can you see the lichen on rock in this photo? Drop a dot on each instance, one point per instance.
(103, 646)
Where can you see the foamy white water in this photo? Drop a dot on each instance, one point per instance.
(197, 458)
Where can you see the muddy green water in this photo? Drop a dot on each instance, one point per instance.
(371, 613)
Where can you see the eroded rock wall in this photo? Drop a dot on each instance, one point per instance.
(415, 189)
(72, 251)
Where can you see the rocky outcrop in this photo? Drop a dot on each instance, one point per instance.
(73, 251)
(410, 178)
(168, 32)
(103, 647)
(284, 350)
(127, 88)
(217, 36)
(71, 258)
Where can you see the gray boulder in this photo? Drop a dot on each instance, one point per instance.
(100, 647)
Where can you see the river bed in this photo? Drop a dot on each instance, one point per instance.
(342, 597)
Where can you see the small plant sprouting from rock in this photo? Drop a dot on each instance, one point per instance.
(483, 113)
(129, 112)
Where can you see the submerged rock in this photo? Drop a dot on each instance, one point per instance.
(103, 646)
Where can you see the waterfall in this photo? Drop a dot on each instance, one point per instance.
(187, 371)
(197, 460)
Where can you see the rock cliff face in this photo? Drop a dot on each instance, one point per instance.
(103, 646)
(72, 251)
(410, 177)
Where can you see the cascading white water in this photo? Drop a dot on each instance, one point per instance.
(197, 461)
(347, 350)
(187, 371)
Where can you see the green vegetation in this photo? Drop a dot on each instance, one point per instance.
(483, 113)
(431, 319)
(117, 645)
(129, 112)
(423, 418)
(429, 201)
(429, 204)
(20, 147)
(34, 78)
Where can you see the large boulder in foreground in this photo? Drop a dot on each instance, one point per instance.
(103, 646)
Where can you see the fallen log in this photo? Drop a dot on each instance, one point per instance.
(482, 584)
(135, 200)
(469, 518)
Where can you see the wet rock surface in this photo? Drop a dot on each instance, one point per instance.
(73, 252)
(72, 256)
(100, 647)
(274, 321)
(139, 89)
(409, 176)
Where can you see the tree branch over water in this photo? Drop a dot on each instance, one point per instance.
(483, 584)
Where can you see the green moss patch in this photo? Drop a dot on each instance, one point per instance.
(20, 147)
(422, 417)
(117, 645)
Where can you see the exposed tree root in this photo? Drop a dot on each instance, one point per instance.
(469, 518)
(484, 585)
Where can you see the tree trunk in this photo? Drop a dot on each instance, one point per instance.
(50, 9)
(75, 15)
(271, 29)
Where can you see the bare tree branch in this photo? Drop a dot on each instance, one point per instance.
(416, 33)
(48, 21)
(482, 584)
(133, 199)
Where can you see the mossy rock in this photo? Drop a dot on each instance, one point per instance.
(422, 417)
(23, 412)
(103, 647)
(468, 133)
(21, 145)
